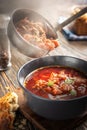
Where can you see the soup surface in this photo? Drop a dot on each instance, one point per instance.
(57, 82)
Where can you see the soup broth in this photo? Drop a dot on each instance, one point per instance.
(55, 82)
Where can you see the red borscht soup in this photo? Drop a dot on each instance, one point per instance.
(55, 82)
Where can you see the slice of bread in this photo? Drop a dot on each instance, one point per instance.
(8, 107)
(80, 24)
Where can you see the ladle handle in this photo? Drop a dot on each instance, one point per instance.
(72, 18)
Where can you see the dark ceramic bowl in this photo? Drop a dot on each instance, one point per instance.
(54, 109)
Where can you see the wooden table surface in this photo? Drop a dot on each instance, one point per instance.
(52, 10)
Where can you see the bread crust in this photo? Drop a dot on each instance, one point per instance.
(8, 107)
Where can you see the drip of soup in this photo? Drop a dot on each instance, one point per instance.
(57, 82)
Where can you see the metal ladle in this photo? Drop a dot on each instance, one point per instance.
(72, 18)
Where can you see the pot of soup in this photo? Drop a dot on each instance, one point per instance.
(55, 87)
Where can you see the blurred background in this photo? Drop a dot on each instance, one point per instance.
(7, 6)
(55, 8)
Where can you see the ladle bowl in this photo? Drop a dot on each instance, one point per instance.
(19, 42)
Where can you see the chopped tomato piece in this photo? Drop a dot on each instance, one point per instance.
(56, 43)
